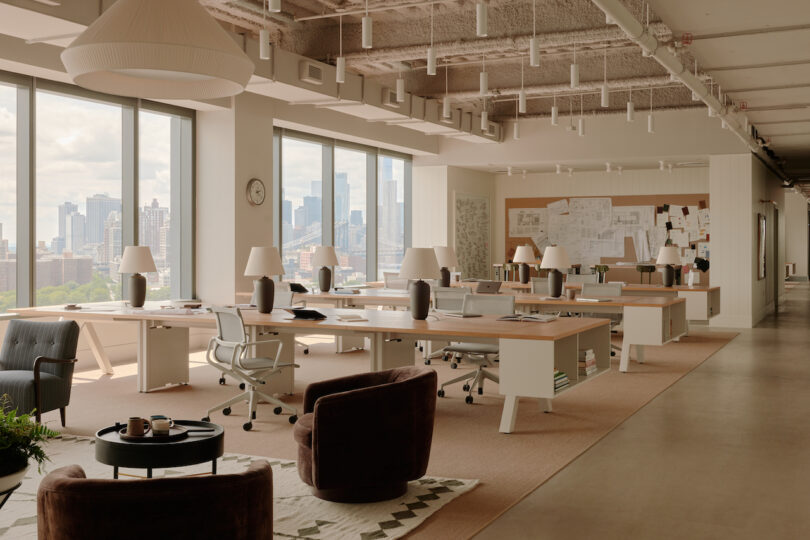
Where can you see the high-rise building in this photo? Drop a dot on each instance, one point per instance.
(312, 209)
(342, 201)
(390, 217)
(64, 211)
(99, 208)
(75, 232)
(316, 188)
(111, 246)
(3, 245)
(152, 219)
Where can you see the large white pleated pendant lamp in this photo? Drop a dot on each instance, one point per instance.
(160, 50)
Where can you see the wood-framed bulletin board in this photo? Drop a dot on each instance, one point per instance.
(610, 229)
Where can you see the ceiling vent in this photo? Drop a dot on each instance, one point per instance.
(310, 72)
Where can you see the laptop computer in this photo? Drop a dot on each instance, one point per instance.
(488, 287)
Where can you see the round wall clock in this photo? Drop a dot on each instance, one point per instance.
(255, 192)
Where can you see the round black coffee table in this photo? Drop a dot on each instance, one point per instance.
(200, 447)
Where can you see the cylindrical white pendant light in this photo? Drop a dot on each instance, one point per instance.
(619, 169)
(275, 6)
(264, 44)
(516, 131)
(534, 45)
(366, 29)
(481, 22)
(431, 61)
(661, 165)
(581, 121)
(555, 113)
(607, 167)
(132, 50)
(570, 172)
(558, 167)
(522, 92)
(575, 72)
(724, 124)
(631, 109)
(446, 113)
(484, 121)
(340, 72)
(508, 170)
(712, 112)
(400, 90)
(431, 52)
(650, 123)
(483, 80)
(605, 98)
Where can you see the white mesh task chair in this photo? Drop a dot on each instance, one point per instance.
(227, 351)
(594, 290)
(539, 285)
(480, 354)
(446, 299)
(583, 278)
(391, 280)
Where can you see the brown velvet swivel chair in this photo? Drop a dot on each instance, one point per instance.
(233, 506)
(364, 437)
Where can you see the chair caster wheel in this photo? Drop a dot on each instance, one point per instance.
(466, 387)
(277, 410)
(445, 358)
(480, 391)
(440, 393)
(253, 415)
(247, 426)
(205, 419)
(421, 349)
(612, 353)
(468, 399)
(306, 351)
(226, 411)
(427, 362)
(241, 386)
(293, 419)
(453, 365)
(222, 380)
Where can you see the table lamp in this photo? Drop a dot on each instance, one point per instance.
(669, 255)
(524, 255)
(137, 259)
(554, 258)
(325, 257)
(264, 261)
(446, 257)
(419, 264)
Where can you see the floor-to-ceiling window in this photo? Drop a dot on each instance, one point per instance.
(8, 197)
(350, 215)
(67, 215)
(301, 207)
(390, 214)
(340, 194)
(78, 199)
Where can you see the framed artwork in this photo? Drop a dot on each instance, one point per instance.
(761, 246)
(472, 235)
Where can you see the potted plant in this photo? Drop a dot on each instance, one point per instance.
(601, 272)
(20, 439)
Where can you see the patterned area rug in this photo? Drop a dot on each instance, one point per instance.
(297, 514)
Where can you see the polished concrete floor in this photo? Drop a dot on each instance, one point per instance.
(723, 453)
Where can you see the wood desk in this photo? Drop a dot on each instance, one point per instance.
(646, 320)
(529, 351)
(702, 301)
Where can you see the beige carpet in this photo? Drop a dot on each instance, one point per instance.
(466, 441)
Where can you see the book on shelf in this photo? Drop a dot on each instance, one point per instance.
(586, 363)
(560, 380)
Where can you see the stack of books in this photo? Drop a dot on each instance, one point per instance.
(587, 362)
(560, 380)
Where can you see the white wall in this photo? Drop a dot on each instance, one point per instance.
(591, 184)
(766, 197)
(796, 236)
(430, 210)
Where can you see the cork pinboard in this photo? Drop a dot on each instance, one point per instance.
(700, 200)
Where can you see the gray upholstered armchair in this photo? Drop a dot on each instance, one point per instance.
(36, 365)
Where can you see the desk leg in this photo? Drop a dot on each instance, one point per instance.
(214, 466)
(547, 402)
(98, 349)
(509, 415)
(115, 472)
(640, 354)
(149, 473)
(390, 352)
(162, 356)
(625, 361)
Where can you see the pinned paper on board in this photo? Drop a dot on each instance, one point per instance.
(527, 222)
(558, 207)
(703, 250)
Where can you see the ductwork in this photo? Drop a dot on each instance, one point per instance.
(620, 15)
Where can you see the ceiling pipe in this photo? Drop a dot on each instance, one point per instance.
(652, 47)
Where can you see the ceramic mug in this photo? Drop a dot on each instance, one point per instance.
(570, 294)
(161, 426)
(137, 426)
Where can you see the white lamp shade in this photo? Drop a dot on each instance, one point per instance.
(555, 257)
(420, 263)
(446, 256)
(524, 254)
(160, 50)
(325, 256)
(669, 255)
(264, 261)
(137, 259)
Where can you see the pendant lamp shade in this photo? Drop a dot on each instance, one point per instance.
(431, 61)
(159, 50)
(340, 73)
(481, 22)
(555, 115)
(264, 44)
(631, 109)
(400, 90)
(366, 31)
(274, 6)
(534, 52)
(484, 121)
(522, 101)
(483, 83)
(516, 131)
(446, 112)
